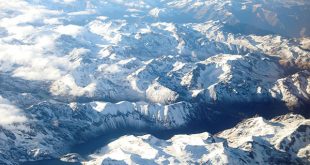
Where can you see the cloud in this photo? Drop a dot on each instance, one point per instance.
(32, 62)
(72, 30)
(9, 113)
(28, 49)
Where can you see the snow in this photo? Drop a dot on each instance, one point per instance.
(206, 148)
(155, 12)
(67, 86)
(98, 106)
(160, 94)
(173, 115)
(177, 66)
(72, 68)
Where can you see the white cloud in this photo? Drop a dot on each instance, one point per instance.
(9, 113)
(32, 62)
(72, 30)
(29, 50)
(37, 73)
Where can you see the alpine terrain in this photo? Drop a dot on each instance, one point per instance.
(154, 82)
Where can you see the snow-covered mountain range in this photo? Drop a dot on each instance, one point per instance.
(282, 140)
(72, 69)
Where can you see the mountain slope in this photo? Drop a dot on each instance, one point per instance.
(282, 140)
